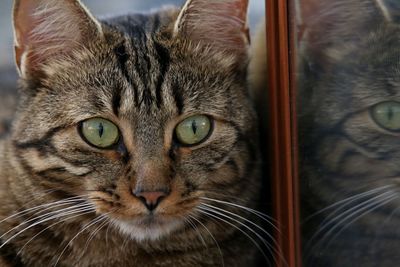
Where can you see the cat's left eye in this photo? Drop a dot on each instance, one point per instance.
(387, 115)
(99, 132)
(193, 130)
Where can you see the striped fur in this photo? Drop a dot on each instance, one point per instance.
(144, 75)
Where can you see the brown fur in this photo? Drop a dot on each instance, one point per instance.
(139, 73)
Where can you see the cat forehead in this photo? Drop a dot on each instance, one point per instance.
(368, 72)
(374, 55)
(140, 70)
(141, 77)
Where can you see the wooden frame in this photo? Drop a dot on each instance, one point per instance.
(283, 129)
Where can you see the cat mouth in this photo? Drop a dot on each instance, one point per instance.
(150, 220)
(148, 227)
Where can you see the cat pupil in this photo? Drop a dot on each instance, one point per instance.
(194, 127)
(390, 113)
(101, 129)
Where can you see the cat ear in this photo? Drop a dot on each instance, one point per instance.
(219, 23)
(48, 29)
(328, 30)
(390, 9)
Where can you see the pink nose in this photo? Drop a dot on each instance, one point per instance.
(151, 199)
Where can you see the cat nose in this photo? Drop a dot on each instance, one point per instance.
(150, 199)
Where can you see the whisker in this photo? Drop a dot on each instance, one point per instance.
(49, 214)
(21, 213)
(357, 215)
(222, 193)
(242, 218)
(328, 222)
(108, 229)
(29, 227)
(193, 226)
(259, 214)
(57, 206)
(347, 201)
(276, 251)
(352, 214)
(271, 248)
(213, 238)
(103, 222)
(242, 231)
(52, 225)
(88, 225)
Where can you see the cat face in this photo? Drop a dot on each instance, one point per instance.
(140, 116)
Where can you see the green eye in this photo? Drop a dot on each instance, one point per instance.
(100, 132)
(193, 130)
(387, 115)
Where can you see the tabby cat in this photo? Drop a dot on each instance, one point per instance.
(135, 140)
(349, 119)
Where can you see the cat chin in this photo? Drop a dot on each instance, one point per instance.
(153, 231)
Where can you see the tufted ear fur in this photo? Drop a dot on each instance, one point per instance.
(48, 29)
(222, 24)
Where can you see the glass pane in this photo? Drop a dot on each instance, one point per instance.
(348, 91)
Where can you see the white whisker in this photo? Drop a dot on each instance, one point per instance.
(54, 224)
(347, 201)
(328, 222)
(356, 215)
(46, 215)
(33, 225)
(213, 238)
(276, 251)
(19, 214)
(193, 226)
(57, 206)
(93, 222)
(108, 229)
(259, 214)
(242, 218)
(242, 231)
(102, 222)
(351, 215)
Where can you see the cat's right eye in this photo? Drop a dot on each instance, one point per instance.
(99, 132)
(387, 115)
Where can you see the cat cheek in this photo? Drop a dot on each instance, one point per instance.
(118, 203)
(113, 155)
(182, 199)
(185, 151)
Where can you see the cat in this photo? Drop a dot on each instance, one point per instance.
(349, 95)
(135, 141)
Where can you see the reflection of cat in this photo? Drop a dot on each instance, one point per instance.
(135, 141)
(349, 119)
